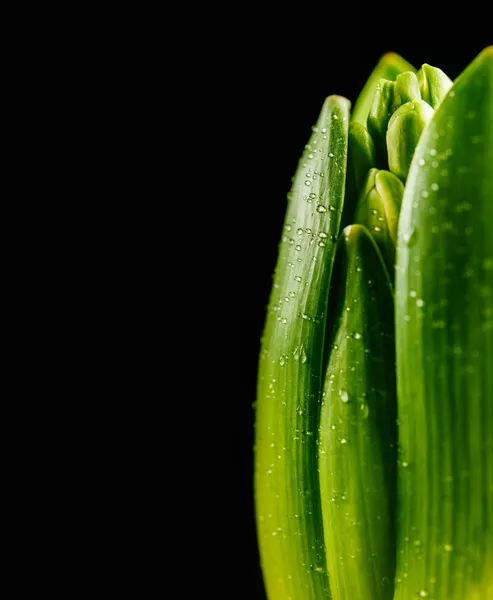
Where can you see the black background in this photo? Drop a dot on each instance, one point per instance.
(280, 69)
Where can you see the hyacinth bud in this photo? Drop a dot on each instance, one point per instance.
(378, 210)
(434, 84)
(378, 119)
(406, 89)
(403, 133)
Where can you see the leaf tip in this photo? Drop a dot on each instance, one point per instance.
(488, 52)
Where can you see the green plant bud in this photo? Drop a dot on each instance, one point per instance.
(388, 67)
(378, 119)
(434, 84)
(403, 133)
(406, 89)
(378, 210)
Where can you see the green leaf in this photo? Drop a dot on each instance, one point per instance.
(357, 446)
(361, 158)
(444, 335)
(287, 494)
(388, 67)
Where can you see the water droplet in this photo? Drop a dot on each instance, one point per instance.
(421, 162)
(448, 548)
(364, 410)
(420, 302)
(409, 238)
(343, 441)
(284, 320)
(335, 117)
(331, 155)
(321, 244)
(308, 183)
(356, 335)
(433, 152)
(413, 293)
(404, 464)
(298, 278)
(435, 187)
(423, 593)
(425, 194)
(298, 247)
(299, 231)
(302, 356)
(287, 227)
(324, 130)
(321, 208)
(377, 228)
(344, 396)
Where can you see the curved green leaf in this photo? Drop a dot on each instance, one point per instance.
(444, 334)
(361, 158)
(287, 494)
(358, 426)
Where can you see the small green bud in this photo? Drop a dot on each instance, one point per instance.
(378, 210)
(403, 133)
(406, 89)
(378, 119)
(434, 84)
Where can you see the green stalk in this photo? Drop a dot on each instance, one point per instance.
(444, 334)
(287, 494)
